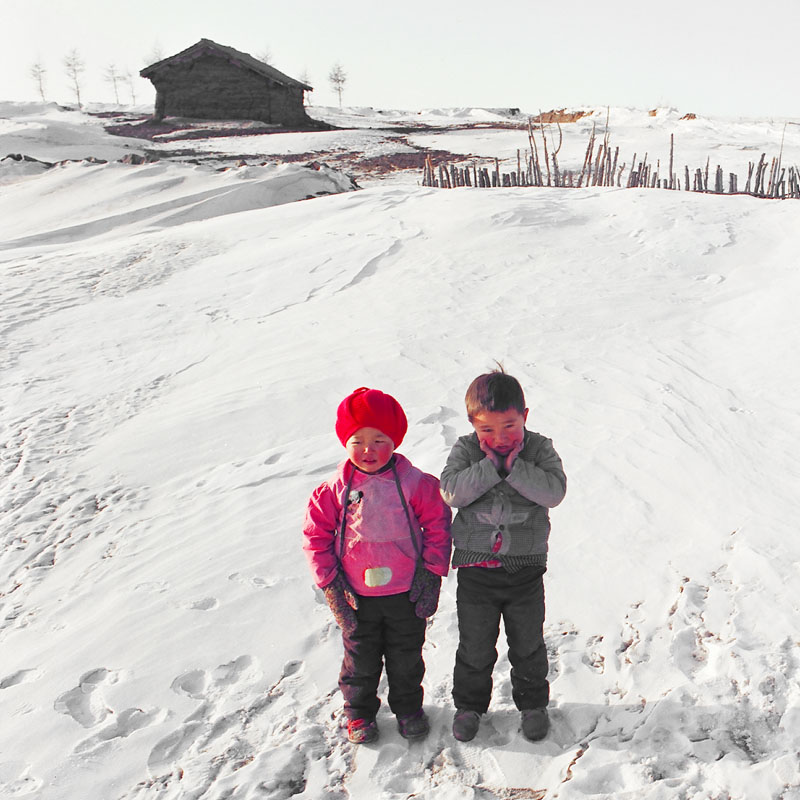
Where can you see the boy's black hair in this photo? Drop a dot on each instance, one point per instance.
(494, 391)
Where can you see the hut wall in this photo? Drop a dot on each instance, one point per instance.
(212, 88)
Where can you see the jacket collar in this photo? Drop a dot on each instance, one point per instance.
(346, 469)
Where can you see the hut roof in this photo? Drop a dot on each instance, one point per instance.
(235, 57)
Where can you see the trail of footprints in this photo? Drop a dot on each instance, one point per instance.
(713, 698)
(282, 737)
(285, 734)
(285, 739)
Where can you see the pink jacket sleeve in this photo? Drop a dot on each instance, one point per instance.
(319, 534)
(434, 517)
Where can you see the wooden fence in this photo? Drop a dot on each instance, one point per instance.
(601, 167)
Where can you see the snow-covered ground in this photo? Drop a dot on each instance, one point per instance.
(175, 339)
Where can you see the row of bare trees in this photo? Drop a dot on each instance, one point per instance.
(119, 78)
(122, 78)
(601, 167)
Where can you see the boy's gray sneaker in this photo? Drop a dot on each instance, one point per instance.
(535, 723)
(465, 724)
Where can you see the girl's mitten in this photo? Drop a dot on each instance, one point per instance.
(343, 602)
(424, 591)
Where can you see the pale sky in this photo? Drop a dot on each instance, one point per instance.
(710, 57)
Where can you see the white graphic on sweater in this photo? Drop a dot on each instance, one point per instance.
(500, 517)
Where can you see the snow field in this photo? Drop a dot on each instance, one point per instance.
(171, 369)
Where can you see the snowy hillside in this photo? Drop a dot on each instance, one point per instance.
(175, 341)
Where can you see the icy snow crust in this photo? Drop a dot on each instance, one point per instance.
(174, 346)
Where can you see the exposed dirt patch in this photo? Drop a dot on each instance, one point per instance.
(560, 115)
(394, 162)
(351, 162)
(174, 130)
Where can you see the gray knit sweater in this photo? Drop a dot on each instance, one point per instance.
(512, 507)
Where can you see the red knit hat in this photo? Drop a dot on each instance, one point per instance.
(370, 408)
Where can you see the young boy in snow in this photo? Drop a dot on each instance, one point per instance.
(377, 537)
(502, 479)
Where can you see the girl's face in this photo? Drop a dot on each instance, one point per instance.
(501, 430)
(369, 449)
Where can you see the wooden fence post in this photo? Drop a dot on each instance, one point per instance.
(601, 167)
(544, 142)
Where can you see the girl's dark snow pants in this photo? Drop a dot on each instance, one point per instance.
(388, 629)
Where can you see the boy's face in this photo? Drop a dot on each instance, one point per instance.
(502, 431)
(369, 449)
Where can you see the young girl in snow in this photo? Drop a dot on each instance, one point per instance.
(377, 537)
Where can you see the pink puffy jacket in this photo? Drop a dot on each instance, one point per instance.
(378, 557)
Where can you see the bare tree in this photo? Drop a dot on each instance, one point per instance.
(338, 78)
(130, 79)
(74, 66)
(37, 72)
(113, 77)
(265, 55)
(156, 54)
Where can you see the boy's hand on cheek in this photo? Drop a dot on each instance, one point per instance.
(490, 454)
(512, 456)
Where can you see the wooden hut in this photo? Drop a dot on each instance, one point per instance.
(212, 81)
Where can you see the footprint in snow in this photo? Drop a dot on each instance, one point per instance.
(688, 650)
(154, 587)
(561, 640)
(286, 768)
(85, 703)
(235, 671)
(20, 676)
(16, 780)
(256, 581)
(200, 684)
(205, 604)
(194, 683)
(124, 724)
(593, 657)
(169, 749)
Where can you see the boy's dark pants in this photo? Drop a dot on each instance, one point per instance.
(484, 595)
(387, 629)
